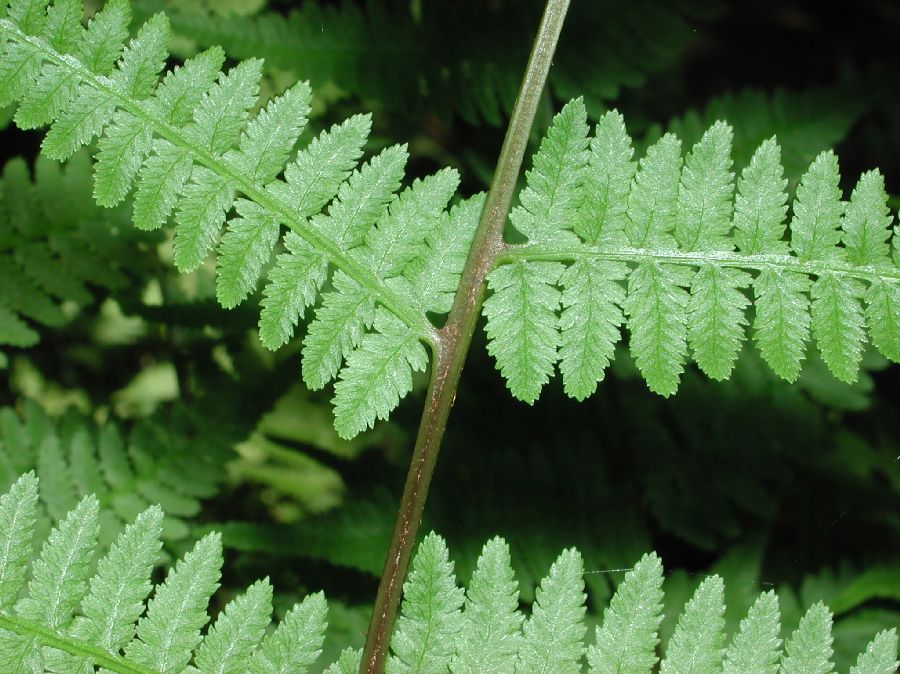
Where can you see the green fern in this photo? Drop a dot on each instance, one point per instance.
(67, 620)
(157, 462)
(185, 147)
(56, 245)
(663, 247)
(686, 250)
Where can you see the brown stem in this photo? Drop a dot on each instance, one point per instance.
(454, 338)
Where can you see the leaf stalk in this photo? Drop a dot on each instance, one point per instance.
(455, 337)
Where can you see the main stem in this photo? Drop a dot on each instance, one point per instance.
(454, 338)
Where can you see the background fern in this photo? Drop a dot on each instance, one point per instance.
(51, 256)
(442, 58)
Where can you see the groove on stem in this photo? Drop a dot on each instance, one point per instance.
(454, 338)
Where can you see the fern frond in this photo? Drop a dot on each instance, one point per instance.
(297, 642)
(755, 647)
(676, 252)
(58, 584)
(44, 630)
(53, 247)
(127, 473)
(65, 624)
(551, 196)
(697, 643)
(808, 650)
(122, 581)
(627, 640)
(348, 663)
(189, 149)
(168, 633)
(880, 657)
(236, 633)
(18, 514)
(522, 324)
(430, 620)
(490, 636)
(552, 639)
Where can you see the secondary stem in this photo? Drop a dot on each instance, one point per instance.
(455, 337)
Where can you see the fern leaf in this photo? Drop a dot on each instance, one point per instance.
(430, 619)
(755, 648)
(522, 324)
(51, 93)
(144, 57)
(626, 643)
(271, 135)
(818, 210)
(377, 376)
(113, 460)
(19, 294)
(122, 151)
(361, 200)
(57, 489)
(838, 324)
(680, 233)
(601, 214)
(294, 646)
(84, 119)
(396, 239)
(336, 330)
(18, 514)
(589, 323)
(434, 274)
(105, 36)
(697, 643)
(781, 328)
(880, 656)
(883, 317)
(169, 632)
(20, 65)
(59, 578)
(85, 471)
(322, 166)
(118, 590)
(703, 210)
(293, 286)
(867, 222)
(163, 177)
(808, 650)
(236, 633)
(653, 196)
(715, 318)
(14, 331)
(552, 641)
(548, 203)
(761, 203)
(223, 109)
(127, 141)
(656, 308)
(490, 635)
(348, 663)
(246, 247)
(182, 89)
(188, 147)
(200, 216)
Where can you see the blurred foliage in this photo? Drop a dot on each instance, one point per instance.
(771, 486)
